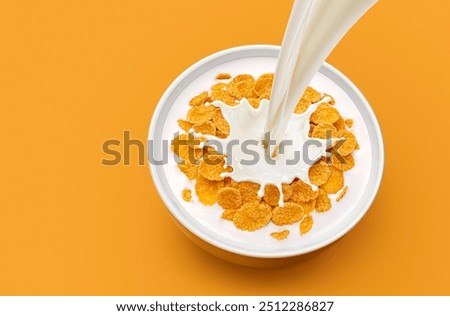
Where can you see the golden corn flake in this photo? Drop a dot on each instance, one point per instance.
(252, 216)
(223, 76)
(342, 194)
(302, 192)
(220, 94)
(222, 135)
(241, 86)
(186, 195)
(188, 140)
(263, 85)
(348, 145)
(254, 102)
(308, 207)
(212, 167)
(185, 125)
(349, 123)
(207, 190)
(335, 182)
(288, 214)
(325, 114)
(302, 106)
(280, 235)
(264, 203)
(332, 102)
(343, 163)
(200, 99)
(228, 214)
(319, 173)
(306, 224)
(210, 150)
(271, 195)
(220, 121)
(265, 96)
(324, 131)
(189, 169)
(206, 128)
(323, 202)
(186, 147)
(311, 95)
(200, 113)
(219, 86)
(339, 124)
(249, 192)
(187, 153)
(229, 198)
(287, 191)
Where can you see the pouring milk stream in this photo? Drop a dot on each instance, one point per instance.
(314, 29)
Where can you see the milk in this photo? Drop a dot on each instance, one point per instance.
(315, 27)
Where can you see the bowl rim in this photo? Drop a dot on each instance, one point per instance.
(172, 207)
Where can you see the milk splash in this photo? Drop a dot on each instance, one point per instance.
(251, 161)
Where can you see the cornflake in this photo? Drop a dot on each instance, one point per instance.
(339, 124)
(220, 93)
(312, 95)
(348, 145)
(263, 85)
(200, 113)
(207, 190)
(186, 147)
(335, 181)
(280, 235)
(186, 195)
(302, 106)
(189, 169)
(302, 192)
(185, 125)
(349, 123)
(324, 131)
(249, 191)
(241, 86)
(308, 207)
(200, 99)
(223, 76)
(306, 224)
(206, 128)
(343, 163)
(254, 102)
(342, 194)
(319, 173)
(252, 216)
(229, 198)
(288, 214)
(212, 168)
(271, 195)
(228, 214)
(325, 114)
(323, 202)
(287, 191)
(220, 121)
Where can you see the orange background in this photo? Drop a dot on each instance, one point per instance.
(75, 73)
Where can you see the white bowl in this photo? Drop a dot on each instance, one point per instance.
(363, 182)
